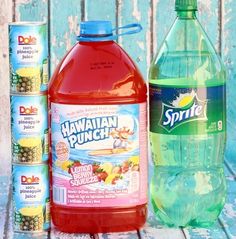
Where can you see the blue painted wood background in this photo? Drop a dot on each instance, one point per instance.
(218, 17)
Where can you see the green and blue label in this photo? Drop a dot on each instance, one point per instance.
(187, 110)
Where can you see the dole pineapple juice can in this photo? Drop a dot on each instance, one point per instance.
(29, 126)
(28, 55)
(31, 201)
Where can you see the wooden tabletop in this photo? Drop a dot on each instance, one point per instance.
(224, 228)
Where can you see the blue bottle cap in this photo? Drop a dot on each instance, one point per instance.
(93, 31)
(91, 28)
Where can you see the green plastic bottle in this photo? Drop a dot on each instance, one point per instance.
(187, 124)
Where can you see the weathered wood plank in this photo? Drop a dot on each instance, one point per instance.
(164, 15)
(229, 170)
(138, 46)
(212, 233)
(55, 234)
(230, 154)
(124, 235)
(229, 56)
(63, 28)
(161, 233)
(101, 10)
(228, 215)
(31, 10)
(4, 197)
(209, 17)
(121, 235)
(5, 17)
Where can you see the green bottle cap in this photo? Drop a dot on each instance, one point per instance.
(186, 5)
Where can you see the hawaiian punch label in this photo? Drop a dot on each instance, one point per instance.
(99, 155)
(187, 110)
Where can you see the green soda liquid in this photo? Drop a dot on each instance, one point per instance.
(187, 125)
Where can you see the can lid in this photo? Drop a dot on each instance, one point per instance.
(43, 163)
(28, 94)
(186, 5)
(25, 23)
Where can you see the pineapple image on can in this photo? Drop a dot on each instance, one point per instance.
(28, 56)
(30, 218)
(29, 126)
(28, 79)
(30, 150)
(31, 199)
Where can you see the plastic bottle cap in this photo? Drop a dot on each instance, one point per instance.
(93, 31)
(98, 28)
(186, 5)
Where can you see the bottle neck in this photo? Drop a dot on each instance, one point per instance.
(186, 14)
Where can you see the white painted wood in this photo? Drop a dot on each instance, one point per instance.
(162, 233)
(5, 17)
(61, 235)
(4, 191)
(119, 235)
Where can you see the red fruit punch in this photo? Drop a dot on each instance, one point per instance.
(96, 74)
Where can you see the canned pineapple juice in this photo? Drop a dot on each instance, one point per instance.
(29, 125)
(31, 201)
(28, 54)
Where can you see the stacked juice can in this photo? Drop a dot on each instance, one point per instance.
(28, 54)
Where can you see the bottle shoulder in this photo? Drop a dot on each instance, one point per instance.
(101, 71)
(187, 56)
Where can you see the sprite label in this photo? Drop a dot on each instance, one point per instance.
(185, 111)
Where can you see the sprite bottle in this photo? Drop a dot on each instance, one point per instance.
(187, 124)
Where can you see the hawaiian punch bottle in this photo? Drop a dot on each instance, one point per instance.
(187, 124)
(98, 135)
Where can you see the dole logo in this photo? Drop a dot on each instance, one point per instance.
(27, 40)
(29, 180)
(28, 110)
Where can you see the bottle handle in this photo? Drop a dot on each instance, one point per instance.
(136, 28)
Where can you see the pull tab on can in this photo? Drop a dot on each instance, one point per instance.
(93, 31)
